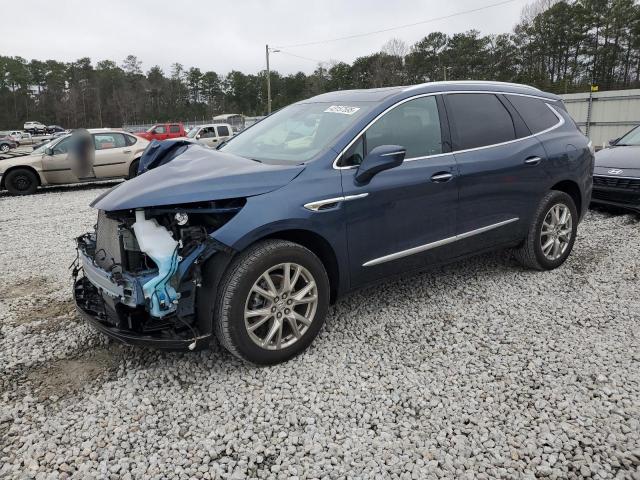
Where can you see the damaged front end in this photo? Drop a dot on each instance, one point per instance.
(138, 276)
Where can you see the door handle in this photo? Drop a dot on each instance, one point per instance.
(533, 161)
(441, 177)
(127, 151)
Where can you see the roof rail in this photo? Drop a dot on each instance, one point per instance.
(472, 82)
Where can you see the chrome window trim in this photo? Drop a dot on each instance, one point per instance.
(318, 204)
(561, 121)
(437, 243)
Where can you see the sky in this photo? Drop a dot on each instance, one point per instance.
(231, 35)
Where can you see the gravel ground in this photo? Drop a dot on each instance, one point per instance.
(475, 370)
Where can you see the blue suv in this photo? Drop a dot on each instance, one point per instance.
(251, 242)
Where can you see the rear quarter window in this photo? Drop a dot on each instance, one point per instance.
(534, 111)
(478, 120)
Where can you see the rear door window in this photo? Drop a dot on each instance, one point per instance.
(174, 129)
(534, 111)
(106, 141)
(223, 131)
(478, 120)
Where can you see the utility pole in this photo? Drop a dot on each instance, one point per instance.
(267, 50)
(268, 83)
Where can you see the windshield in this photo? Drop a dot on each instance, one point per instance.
(50, 144)
(192, 133)
(296, 133)
(631, 138)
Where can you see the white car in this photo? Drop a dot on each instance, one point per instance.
(117, 155)
(212, 134)
(35, 127)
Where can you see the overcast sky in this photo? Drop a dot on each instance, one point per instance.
(222, 36)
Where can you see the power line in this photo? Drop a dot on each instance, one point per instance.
(358, 35)
(300, 56)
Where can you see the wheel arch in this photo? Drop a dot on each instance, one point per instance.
(572, 189)
(319, 246)
(17, 167)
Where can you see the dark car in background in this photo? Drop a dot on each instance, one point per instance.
(7, 143)
(250, 243)
(616, 178)
(55, 129)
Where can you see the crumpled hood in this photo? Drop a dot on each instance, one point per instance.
(199, 174)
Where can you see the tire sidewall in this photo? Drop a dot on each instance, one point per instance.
(11, 176)
(133, 168)
(555, 198)
(235, 311)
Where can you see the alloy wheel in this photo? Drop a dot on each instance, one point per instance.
(556, 232)
(281, 306)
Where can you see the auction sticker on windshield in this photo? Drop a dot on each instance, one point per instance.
(342, 109)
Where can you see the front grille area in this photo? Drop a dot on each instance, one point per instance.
(108, 245)
(616, 196)
(632, 184)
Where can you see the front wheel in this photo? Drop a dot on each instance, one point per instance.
(552, 233)
(4, 148)
(272, 302)
(21, 182)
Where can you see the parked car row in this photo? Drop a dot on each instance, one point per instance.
(37, 128)
(116, 156)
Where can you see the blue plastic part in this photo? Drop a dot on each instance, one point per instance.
(163, 297)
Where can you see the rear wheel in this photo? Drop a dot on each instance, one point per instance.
(21, 181)
(552, 233)
(272, 302)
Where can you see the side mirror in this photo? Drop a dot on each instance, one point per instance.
(379, 159)
(613, 141)
(48, 151)
(198, 137)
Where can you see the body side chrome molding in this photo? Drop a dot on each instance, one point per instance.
(561, 122)
(438, 243)
(317, 205)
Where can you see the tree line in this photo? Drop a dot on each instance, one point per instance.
(560, 46)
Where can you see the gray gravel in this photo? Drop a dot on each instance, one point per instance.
(474, 370)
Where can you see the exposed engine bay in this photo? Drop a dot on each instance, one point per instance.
(140, 270)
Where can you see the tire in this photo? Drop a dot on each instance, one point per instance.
(133, 169)
(531, 252)
(21, 181)
(236, 293)
(4, 148)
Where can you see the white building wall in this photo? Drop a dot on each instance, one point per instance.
(613, 113)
